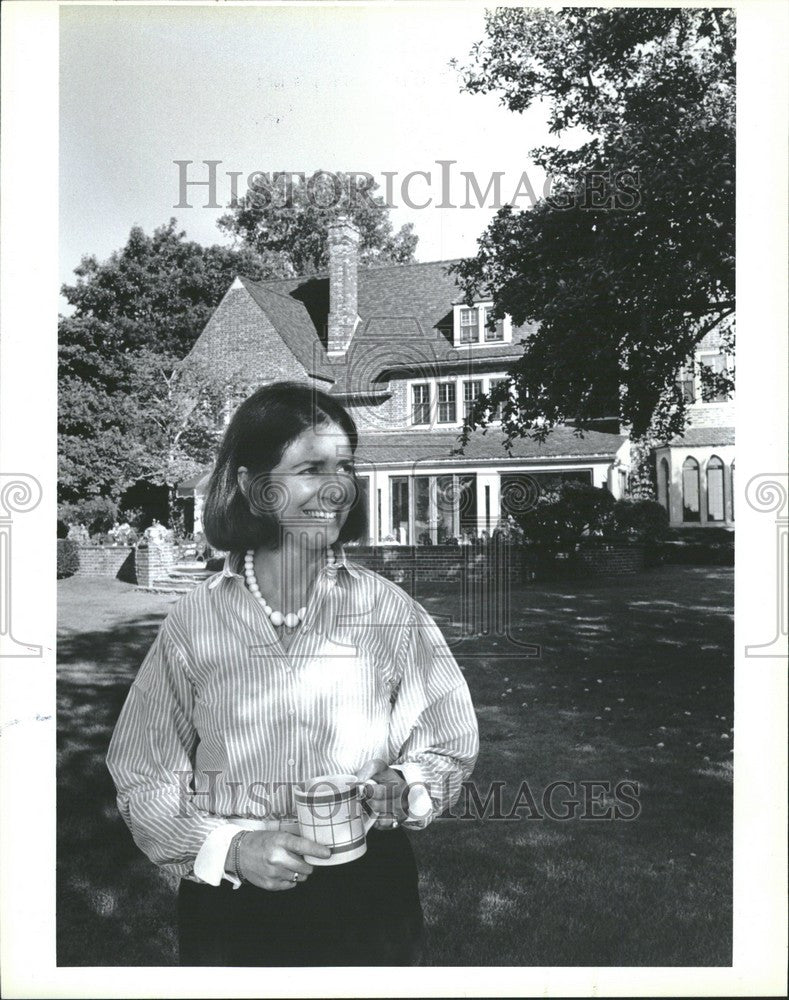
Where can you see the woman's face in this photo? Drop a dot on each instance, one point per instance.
(312, 487)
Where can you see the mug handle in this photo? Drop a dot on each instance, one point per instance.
(369, 815)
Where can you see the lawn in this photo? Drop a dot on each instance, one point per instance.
(633, 682)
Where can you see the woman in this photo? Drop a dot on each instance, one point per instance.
(290, 663)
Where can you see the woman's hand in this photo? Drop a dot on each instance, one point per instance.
(269, 858)
(387, 793)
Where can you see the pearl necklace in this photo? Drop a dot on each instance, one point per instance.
(276, 618)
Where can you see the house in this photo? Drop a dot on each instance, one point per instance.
(401, 350)
(695, 470)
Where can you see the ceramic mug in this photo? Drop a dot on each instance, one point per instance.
(330, 810)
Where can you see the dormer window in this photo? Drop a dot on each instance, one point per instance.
(496, 333)
(475, 325)
(469, 326)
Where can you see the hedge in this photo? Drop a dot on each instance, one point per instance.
(68, 557)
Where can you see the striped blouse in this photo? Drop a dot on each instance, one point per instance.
(221, 721)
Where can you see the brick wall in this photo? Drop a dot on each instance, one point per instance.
(115, 561)
(386, 415)
(240, 330)
(403, 563)
(608, 558)
(153, 562)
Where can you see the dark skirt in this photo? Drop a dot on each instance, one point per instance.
(366, 912)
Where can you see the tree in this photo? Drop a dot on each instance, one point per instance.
(286, 223)
(156, 292)
(95, 456)
(629, 260)
(128, 411)
(176, 414)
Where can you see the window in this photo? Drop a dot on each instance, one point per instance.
(687, 385)
(469, 326)
(497, 333)
(422, 511)
(665, 484)
(399, 499)
(496, 415)
(717, 362)
(471, 390)
(715, 500)
(446, 403)
(691, 508)
(363, 486)
(732, 489)
(420, 409)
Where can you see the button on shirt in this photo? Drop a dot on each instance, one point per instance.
(221, 721)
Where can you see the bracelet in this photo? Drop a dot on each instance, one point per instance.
(235, 844)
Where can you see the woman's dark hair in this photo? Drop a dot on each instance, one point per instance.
(261, 429)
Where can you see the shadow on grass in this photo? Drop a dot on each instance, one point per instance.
(114, 907)
(634, 682)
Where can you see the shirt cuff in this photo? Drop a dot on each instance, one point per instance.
(420, 805)
(209, 864)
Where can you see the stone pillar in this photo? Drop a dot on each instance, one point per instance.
(153, 560)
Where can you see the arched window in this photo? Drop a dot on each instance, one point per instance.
(691, 507)
(732, 489)
(716, 510)
(665, 484)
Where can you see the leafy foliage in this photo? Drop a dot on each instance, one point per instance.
(67, 558)
(130, 410)
(157, 292)
(640, 520)
(286, 223)
(561, 516)
(630, 261)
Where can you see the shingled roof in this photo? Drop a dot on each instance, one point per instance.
(696, 437)
(405, 323)
(419, 446)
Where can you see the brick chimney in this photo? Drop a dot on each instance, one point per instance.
(343, 284)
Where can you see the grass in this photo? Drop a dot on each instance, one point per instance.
(633, 681)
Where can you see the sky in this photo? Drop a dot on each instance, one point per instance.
(301, 88)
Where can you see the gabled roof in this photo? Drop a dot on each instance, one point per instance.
(292, 320)
(405, 322)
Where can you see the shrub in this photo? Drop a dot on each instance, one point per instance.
(561, 517)
(68, 557)
(639, 520)
(133, 516)
(96, 513)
